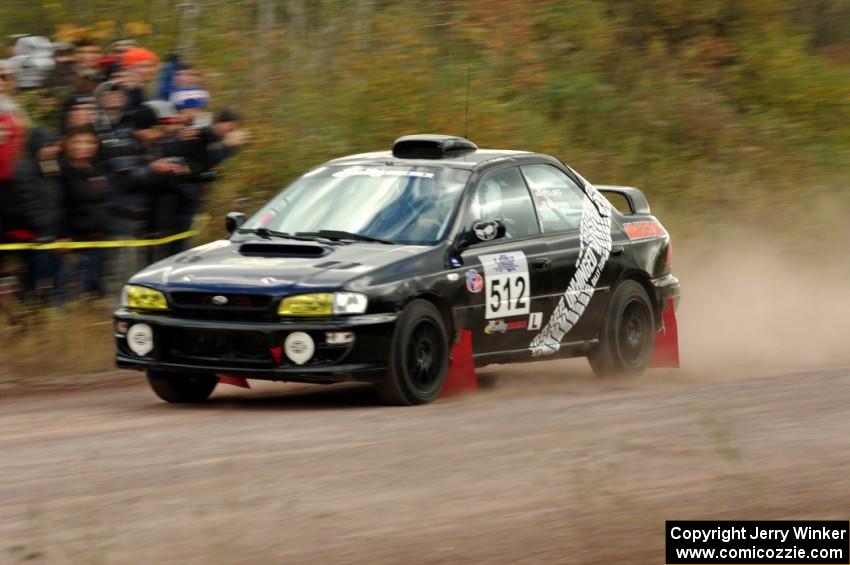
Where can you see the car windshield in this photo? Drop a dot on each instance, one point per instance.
(409, 205)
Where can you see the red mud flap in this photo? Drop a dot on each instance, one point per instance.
(235, 381)
(665, 353)
(460, 377)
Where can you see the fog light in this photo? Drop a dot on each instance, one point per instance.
(140, 339)
(299, 347)
(121, 327)
(338, 338)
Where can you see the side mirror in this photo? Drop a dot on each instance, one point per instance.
(233, 220)
(484, 230)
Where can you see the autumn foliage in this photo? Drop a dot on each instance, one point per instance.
(710, 105)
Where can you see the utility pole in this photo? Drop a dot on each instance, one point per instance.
(262, 43)
(189, 12)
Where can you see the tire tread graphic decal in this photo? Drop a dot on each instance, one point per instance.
(594, 250)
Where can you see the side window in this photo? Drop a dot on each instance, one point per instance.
(504, 196)
(558, 199)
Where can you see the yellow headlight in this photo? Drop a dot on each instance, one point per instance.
(144, 298)
(318, 304)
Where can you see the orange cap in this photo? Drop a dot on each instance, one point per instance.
(137, 55)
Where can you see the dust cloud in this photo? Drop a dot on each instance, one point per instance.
(752, 306)
(755, 305)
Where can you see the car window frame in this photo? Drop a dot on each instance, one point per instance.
(465, 211)
(569, 174)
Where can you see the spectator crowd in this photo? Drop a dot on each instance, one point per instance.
(98, 145)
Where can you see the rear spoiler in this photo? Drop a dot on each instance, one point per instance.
(638, 203)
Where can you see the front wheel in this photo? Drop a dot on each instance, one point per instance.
(182, 388)
(627, 334)
(419, 357)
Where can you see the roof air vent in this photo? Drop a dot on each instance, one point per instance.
(431, 146)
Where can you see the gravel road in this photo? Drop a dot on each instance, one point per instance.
(544, 464)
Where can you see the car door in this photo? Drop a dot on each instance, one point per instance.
(560, 203)
(505, 277)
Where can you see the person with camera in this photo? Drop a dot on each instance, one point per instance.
(155, 127)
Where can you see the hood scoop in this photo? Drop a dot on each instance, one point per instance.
(283, 250)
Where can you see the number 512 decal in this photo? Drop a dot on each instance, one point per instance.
(507, 286)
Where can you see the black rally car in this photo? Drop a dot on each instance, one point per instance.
(367, 268)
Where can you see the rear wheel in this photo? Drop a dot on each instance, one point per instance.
(627, 334)
(419, 357)
(182, 387)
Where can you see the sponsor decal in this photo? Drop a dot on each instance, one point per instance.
(642, 230)
(500, 326)
(506, 263)
(378, 173)
(594, 250)
(508, 286)
(535, 320)
(474, 281)
(547, 192)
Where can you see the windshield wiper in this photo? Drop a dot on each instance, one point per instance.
(266, 233)
(337, 235)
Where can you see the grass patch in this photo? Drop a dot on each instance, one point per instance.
(44, 343)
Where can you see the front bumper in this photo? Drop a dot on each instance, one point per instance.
(255, 349)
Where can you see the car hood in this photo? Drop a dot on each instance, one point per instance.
(278, 266)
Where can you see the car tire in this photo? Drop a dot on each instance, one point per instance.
(627, 334)
(419, 356)
(182, 388)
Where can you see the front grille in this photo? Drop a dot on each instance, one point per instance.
(224, 306)
(239, 348)
(247, 348)
(234, 301)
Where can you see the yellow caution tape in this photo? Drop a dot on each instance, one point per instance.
(199, 222)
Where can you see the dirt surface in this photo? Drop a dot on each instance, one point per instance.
(545, 463)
